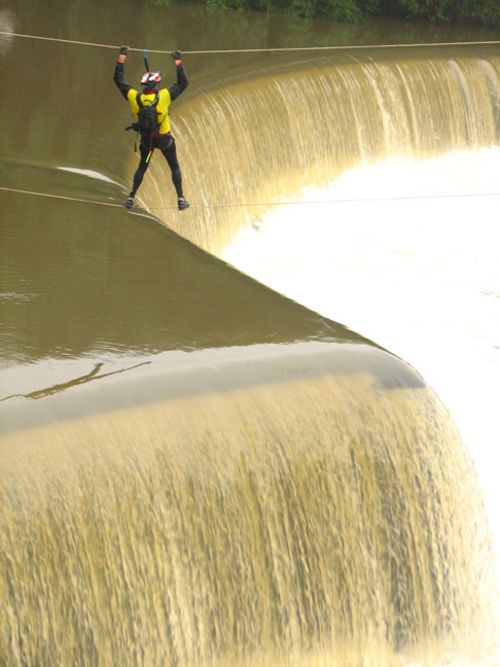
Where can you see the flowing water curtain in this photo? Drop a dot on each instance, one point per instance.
(326, 519)
(257, 143)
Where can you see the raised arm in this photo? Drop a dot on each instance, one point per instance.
(182, 80)
(123, 86)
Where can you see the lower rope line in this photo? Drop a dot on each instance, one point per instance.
(360, 200)
(257, 50)
(52, 196)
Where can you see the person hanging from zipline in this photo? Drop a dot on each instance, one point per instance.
(150, 107)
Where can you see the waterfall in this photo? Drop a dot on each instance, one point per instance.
(320, 520)
(258, 142)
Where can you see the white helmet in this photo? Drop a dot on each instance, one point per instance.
(151, 80)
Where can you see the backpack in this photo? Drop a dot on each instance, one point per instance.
(148, 120)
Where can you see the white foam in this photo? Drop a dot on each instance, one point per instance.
(90, 173)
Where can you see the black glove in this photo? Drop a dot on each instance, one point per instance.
(124, 50)
(176, 55)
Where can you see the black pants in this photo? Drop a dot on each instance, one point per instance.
(166, 144)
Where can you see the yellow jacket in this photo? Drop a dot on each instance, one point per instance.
(164, 100)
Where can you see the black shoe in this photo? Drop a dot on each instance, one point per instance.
(182, 203)
(129, 203)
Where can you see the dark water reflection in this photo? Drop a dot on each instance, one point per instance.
(77, 278)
